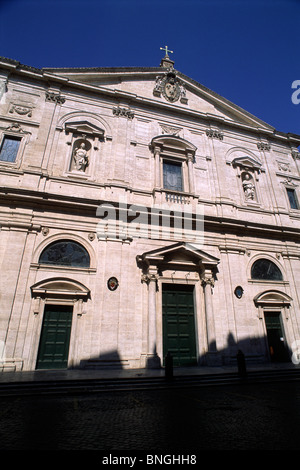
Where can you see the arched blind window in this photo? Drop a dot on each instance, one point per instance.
(264, 269)
(65, 253)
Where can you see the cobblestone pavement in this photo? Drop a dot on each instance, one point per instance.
(230, 417)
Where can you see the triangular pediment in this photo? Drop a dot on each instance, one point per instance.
(179, 254)
(246, 162)
(83, 127)
(141, 82)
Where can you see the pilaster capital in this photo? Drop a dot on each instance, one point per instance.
(208, 281)
(190, 157)
(150, 277)
(207, 278)
(156, 150)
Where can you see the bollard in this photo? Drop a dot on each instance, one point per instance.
(241, 362)
(169, 366)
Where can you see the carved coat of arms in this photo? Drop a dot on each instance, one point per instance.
(170, 87)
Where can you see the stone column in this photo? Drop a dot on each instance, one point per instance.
(152, 358)
(208, 283)
(157, 167)
(190, 160)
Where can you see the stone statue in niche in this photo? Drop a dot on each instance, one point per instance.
(248, 187)
(80, 155)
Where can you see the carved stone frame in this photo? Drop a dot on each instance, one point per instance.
(248, 166)
(183, 259)
(176, 149)
(82, 131)
(57, 291)
(15, 130)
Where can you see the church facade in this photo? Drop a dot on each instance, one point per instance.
(142, 214)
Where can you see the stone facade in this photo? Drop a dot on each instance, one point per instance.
(123, 186)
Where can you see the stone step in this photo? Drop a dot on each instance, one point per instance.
(79, 386)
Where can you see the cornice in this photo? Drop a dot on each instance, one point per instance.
(51, 75)
(53, 202)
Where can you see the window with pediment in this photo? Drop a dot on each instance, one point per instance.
(174, 159)
(12, 142)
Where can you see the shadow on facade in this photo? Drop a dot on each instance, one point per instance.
(254, 351)
(112, 360)
(109, 360)
(259, 350)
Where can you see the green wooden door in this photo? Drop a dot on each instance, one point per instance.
(55, 337)
(179, 337)
(275, 337)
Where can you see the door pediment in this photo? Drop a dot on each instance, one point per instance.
(272, 297)
(60, 287)
(180, 256)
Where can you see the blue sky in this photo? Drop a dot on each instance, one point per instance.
(247, 51)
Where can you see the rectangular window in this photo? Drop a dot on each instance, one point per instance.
(172, 173)
(292, 198)
(9, 148)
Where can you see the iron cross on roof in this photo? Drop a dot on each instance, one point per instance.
(166, 50)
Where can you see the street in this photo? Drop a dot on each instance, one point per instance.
(182, 421)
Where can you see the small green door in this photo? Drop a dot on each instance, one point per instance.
(55, 337)
(275, 337)
(179, 337)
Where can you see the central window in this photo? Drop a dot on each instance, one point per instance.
(172, 176)
(173, 166)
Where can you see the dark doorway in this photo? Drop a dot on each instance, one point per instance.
(275, 337)
(179, 336)
(55, 337)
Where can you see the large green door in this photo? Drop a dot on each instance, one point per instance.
(275, 337)
(179, 336)
(55, 337)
